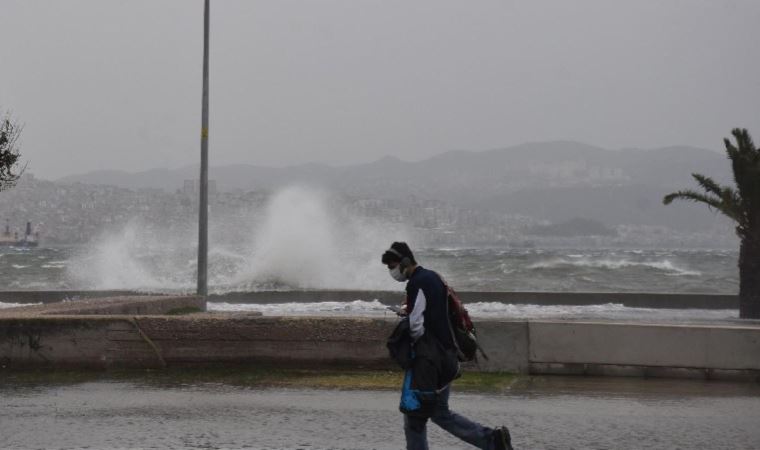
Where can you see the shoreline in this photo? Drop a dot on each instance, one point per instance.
(629, 299)
(166, 331)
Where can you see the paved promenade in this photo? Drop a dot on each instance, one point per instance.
(543, 412)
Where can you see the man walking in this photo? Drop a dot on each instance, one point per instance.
(426, 298)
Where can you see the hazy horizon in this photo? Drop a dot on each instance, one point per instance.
(196, 164)
(114, 85)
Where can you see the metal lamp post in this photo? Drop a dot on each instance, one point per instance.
(203, 187)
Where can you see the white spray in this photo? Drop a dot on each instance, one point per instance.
(302, 239)
(128, 259)
(306, 242)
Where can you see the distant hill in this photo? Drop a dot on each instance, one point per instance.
(555, 181)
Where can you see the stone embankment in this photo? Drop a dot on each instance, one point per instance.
(628, 299)
(145, 332)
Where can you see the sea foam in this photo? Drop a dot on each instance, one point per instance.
(303, 239)
(664, 265)
(483, 310)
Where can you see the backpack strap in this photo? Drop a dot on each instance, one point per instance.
(460, 354)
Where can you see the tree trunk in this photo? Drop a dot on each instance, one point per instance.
(749, 279)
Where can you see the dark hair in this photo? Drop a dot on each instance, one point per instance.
(398, 248)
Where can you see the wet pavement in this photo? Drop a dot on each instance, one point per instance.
(542, 412)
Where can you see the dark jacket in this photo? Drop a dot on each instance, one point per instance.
(426, 298)
(400, 344)
(434, 364)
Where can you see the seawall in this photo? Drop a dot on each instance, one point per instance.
(629, 299)
(80, 335)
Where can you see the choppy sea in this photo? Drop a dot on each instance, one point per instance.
(153, 269)
(481, 269)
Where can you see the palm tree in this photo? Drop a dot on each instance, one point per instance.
(742, 204)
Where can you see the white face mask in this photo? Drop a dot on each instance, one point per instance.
(397, 274)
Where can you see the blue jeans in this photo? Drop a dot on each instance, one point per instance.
(461, 427)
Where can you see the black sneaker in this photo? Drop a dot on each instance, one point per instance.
(502, 439)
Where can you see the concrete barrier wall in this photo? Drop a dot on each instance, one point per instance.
(129, 305)
(149, 341)
(633, 300)
(694, 346)
(506, 345)
(640, 300)
(308, 341)
(717, 351)
(121, 305)
(93, 342)
(57, 296)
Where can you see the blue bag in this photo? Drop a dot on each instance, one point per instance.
(415, 402)
(409, 400)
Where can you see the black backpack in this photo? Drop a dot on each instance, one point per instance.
(461, 326)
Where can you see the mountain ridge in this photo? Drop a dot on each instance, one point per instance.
(553, 181)
(534, 152)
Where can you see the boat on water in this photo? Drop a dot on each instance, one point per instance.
(30, 239)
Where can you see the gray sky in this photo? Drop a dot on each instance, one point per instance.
(108, 84)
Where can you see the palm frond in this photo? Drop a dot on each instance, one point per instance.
(708, 184)
(695, 196)
(744, 140)
(745, 163)
(711, 201)
(729, 198)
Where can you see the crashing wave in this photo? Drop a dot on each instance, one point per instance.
(664, 265)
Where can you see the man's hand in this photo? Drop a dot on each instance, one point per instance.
(399, 310)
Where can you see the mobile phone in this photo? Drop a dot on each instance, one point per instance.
(397, 309)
